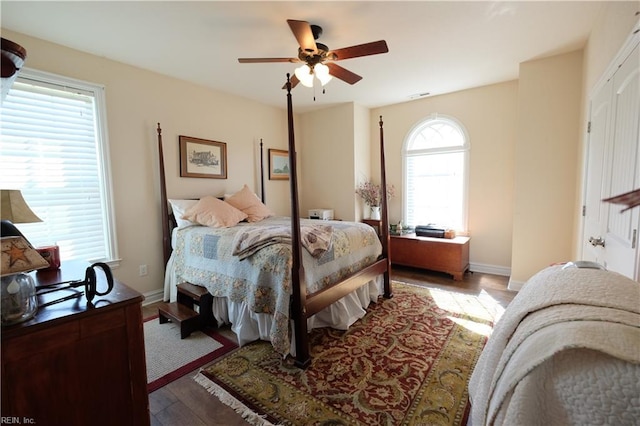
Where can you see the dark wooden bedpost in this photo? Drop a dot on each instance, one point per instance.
(299, 286)
(166, 238)
(384, 224)
(262, 197)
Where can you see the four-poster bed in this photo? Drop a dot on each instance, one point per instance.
(299, 289)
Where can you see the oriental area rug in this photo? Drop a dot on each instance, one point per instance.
(169, 357)
(407, 362)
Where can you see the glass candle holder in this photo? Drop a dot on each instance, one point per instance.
(18, 298)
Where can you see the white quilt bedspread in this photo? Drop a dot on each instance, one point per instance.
(566, 351)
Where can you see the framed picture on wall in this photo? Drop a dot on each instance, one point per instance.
(202, 158)
(278, 164)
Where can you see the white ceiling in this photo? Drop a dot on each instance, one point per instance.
(435, 47)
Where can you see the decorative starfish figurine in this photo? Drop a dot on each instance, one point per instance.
(17, 252)
(19, 256)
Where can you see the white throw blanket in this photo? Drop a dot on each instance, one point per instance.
(566, 351)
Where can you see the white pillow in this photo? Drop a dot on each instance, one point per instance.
(179, 207)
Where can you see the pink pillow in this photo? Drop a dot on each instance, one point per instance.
(210, 211)
(247, 201)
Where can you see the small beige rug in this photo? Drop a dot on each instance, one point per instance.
(169, 357)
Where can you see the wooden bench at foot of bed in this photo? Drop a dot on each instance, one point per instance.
(436, 254)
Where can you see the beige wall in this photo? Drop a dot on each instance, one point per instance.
(328, 161)
(610, 31)
(489, 115)
(337, 151)
(545, 162)
(136, 101)
(362, 154)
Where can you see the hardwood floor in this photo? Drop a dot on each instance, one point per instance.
(184, 402)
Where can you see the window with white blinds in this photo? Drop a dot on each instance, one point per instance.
(53, 148)
(435, 160)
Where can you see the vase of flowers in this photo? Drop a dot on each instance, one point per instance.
(371, 194)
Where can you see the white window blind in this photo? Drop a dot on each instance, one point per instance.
(435, 174)
(53, 148)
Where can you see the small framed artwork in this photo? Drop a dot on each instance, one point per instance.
(278, 164)
(202, 158)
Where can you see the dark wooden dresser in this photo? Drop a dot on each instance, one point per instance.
(74, 364)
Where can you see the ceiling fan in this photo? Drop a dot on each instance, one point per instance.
(318, 59)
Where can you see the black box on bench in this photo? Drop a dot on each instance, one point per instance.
(429, 231)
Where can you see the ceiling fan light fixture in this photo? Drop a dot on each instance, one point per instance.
(305, 75)
(322, 72)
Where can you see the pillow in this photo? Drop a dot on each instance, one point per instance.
(210, 211)
(246, 201)
(227, 196)
(178, 207)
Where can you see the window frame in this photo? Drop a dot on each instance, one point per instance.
(465, 149)
(97, 91)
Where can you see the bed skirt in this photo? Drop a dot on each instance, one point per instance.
(251, 326)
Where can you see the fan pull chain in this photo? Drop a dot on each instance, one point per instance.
(324, 91)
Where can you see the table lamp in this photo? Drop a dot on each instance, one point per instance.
(13, 209)
(18, 301)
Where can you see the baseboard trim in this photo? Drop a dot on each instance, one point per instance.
(515, 285)
(490, 269)
(153, 297)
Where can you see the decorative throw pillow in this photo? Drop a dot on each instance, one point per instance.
(210, 211)
(178, 207)
(249, 203)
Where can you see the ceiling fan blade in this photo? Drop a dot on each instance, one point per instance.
(294, 82)
(263, 60)
(373, 48)
(343, 73)
(302, 31)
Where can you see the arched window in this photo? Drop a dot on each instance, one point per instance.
(435, 163)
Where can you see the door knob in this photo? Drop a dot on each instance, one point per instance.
(596, 241)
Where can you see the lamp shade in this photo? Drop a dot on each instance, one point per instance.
(305, 75)
(18, 256)
(322, 72)
(14, 209)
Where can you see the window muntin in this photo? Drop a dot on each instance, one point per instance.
(435, 159)
(54, 149)
(435, 134)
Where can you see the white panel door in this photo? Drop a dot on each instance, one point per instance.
(594, 209)
(622, 227)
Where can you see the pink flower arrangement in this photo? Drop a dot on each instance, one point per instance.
(371, 193)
